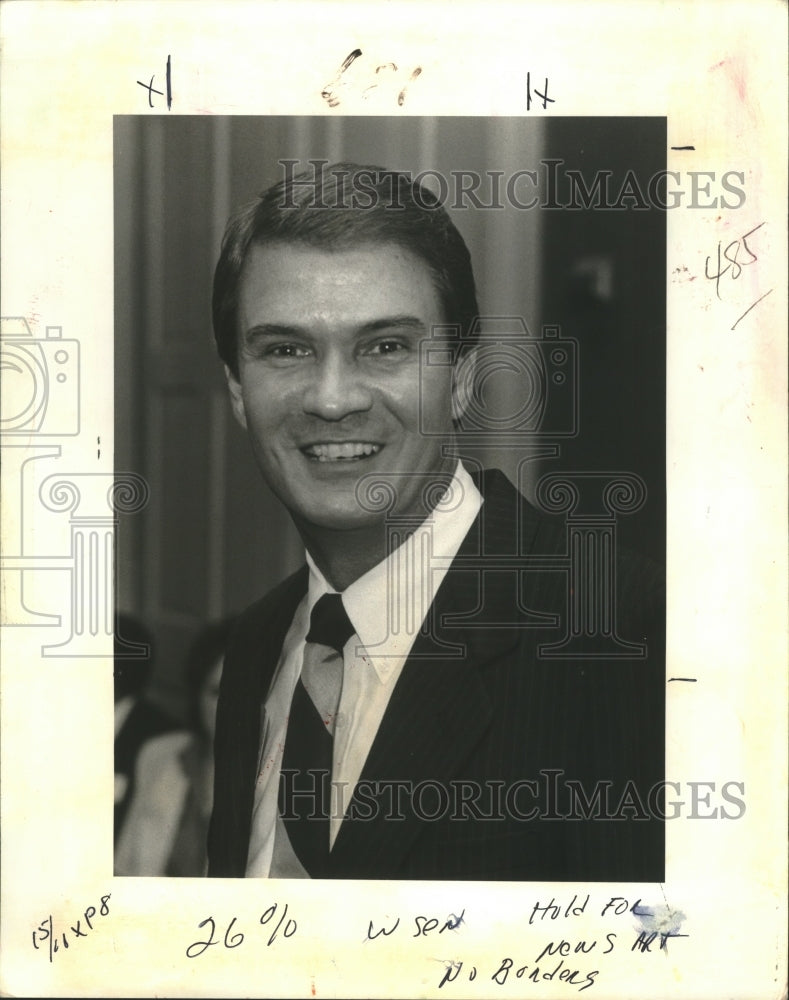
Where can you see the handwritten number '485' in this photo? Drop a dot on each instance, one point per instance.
(730, 255)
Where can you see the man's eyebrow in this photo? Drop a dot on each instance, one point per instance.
(273, 330)
(398, 322)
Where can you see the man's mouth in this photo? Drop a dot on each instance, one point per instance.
(344, 451)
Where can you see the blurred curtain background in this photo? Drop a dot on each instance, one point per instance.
(212, 538)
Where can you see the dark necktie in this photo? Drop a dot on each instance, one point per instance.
(305, 777)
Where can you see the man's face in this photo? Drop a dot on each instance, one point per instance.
(329, 379)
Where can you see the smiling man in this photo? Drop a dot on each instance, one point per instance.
(328, 385)
(385, 712)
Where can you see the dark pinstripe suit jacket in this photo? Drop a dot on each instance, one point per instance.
(475, 715)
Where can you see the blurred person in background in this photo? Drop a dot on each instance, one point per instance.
(137, 718)
(167, 823)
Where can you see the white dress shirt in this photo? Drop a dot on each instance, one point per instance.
(387, 606)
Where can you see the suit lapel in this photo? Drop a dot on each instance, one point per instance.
(437, 714)
(440, 707)
(250, 661)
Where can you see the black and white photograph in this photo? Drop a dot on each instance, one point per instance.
(394, 488)
(470, 497)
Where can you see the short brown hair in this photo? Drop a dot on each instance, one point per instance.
(337, 206)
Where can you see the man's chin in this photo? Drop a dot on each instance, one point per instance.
(337, 519)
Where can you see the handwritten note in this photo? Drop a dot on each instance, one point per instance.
(48, 937)
(731, 261)
(386, 78)
(563, 940)
(275, 919)
(168, 92)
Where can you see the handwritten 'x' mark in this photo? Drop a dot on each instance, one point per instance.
(151, 90)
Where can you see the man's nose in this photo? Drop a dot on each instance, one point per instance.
(336, 389)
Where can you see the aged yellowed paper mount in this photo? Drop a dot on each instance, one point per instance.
(129, 132)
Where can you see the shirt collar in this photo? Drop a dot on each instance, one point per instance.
(388, 604)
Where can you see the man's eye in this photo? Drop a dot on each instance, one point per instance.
(387, 347)
(287, 351)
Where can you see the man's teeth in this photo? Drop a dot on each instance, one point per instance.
(341, 452)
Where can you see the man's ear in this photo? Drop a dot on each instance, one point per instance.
(463, 384)
(236, 397)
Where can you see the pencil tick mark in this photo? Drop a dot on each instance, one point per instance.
(756, 303)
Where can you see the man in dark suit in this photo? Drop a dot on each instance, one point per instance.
(405, 706)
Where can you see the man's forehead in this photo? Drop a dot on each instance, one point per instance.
(289, 252)
(357, 281)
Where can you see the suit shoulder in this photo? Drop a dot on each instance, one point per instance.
(278, 604)
(512, 523)
(508, 516)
